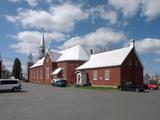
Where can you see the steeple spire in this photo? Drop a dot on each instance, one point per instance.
(42, 44)
(42, 48)
(30, 58)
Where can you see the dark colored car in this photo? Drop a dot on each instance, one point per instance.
(59, 83)
(129, 86)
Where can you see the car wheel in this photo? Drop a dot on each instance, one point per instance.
(120, 89)
(141, 90)
(137, 90)
(151, 88)
(15, 89)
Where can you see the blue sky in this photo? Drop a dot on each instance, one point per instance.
(96, 24)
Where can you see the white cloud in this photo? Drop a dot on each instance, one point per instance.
(109, 15)
(101, 38)
(7, 64)
(104, 13)
(157, 60)
(150, 8)
(148, 45)
(60, 18)
(32, 3)
(13, 0)
(128, 7)
(29, 41)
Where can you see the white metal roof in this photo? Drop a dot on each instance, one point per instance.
(73, 53)
(56, 71)
(38, 63)
(106, 59)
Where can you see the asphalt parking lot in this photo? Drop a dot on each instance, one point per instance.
(43, 102)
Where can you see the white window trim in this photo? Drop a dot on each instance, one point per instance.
(107, 74)
(95, 75)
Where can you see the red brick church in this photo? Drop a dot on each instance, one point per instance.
(52, 64)
(110, 68)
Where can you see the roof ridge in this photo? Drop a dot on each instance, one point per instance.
(110, 51)
(105, 59)
(74, 53)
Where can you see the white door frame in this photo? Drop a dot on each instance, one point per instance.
(79, 78)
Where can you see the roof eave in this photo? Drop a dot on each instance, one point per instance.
(70, 60)
(98, 67)
(36, 66)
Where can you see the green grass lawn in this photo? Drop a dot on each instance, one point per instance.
(96, 88)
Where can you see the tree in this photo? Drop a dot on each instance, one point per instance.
(17, 70)
(147, 77)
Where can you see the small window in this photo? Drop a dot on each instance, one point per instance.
(95, 75)
(9, 82)
(107, 75)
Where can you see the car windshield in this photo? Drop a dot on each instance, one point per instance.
(153, 82)
(61, 81)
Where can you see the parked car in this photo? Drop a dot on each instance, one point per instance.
(152, 85)
(59, 83)
(11, 85)
(130, 86)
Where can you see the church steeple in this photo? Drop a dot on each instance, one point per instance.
(30, 58)
(42, 48)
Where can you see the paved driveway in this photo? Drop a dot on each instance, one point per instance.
(43, 102)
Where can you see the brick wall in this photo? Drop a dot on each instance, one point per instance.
(69, 70)
(36, 74)
(114, 79)
(132, 69)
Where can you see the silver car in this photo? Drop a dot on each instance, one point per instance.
(9, 84)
